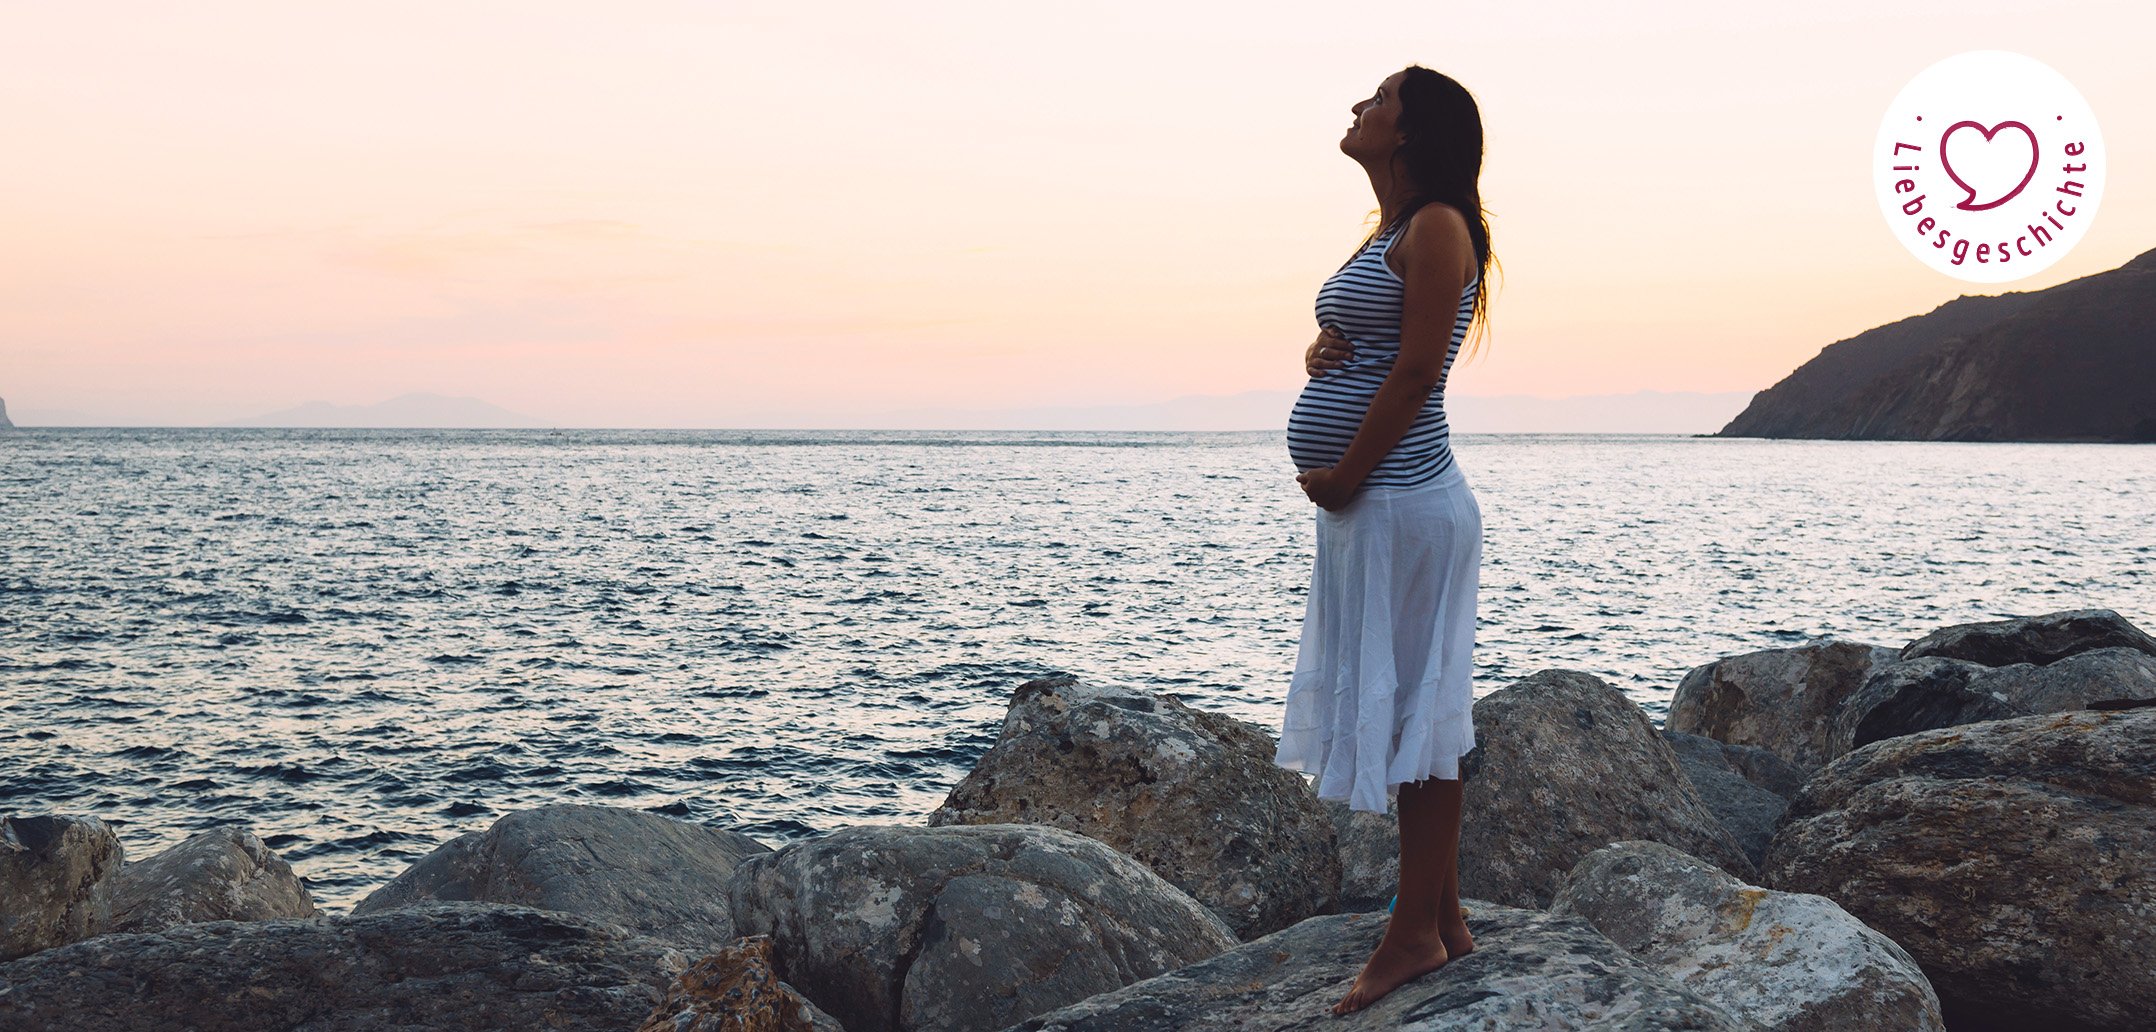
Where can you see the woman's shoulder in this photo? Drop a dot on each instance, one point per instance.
(1440, 229)
(1436, 218)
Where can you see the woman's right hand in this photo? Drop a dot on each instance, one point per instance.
(1329, 351)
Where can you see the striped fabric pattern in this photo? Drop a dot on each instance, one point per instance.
(1362, 301)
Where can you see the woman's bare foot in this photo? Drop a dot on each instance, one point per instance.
(1398, 959)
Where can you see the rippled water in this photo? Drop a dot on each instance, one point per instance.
(359, 643)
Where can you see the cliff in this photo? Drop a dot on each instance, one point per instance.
(4, 424)
(2074, 362)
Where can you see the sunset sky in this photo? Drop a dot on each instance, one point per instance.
(739, 215)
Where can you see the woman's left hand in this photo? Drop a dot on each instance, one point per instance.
(1327, 488)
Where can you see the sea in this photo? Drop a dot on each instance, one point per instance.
(359, 643)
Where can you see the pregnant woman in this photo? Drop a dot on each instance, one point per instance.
(1380, 704)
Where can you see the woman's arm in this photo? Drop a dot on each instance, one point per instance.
(1434, 273)
(1392, 410)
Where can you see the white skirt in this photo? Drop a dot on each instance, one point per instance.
(1383, 687)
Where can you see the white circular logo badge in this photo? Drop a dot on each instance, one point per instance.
(1989, 166)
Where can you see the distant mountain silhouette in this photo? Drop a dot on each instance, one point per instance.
(4, 424)
(418, 410)
(2074, 362)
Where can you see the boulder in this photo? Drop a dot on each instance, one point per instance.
(1787, 961)
(2098, 675)
(57, 876)
(1529, 970)
(2032, 639)
(2011, 858)
(1746, 810)
(735, 990)
(1194, 795)
(1777, 699)
(964, 927)
(223, 874)
(1563, 765)
(1912, 696)
(650, 873)
(1931, 692)
(1369, 847)
(431, 966)
(1744, 786)
(1750, 762)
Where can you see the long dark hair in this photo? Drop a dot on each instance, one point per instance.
(1443, 155)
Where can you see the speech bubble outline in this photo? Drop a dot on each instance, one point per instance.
(2035, 156)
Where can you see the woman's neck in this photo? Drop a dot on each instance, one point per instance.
(1389, 208)
(1393, 195)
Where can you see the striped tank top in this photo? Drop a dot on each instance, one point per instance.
(1362, 301)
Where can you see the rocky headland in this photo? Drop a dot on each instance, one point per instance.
(1959, 833)
(2074, 362)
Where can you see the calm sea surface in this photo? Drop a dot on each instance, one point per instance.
(359, 643)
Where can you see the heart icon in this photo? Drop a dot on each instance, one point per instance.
(1982, 165)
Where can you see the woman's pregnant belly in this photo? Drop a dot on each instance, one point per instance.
(1329, 411)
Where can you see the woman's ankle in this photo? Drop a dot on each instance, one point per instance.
(1428, 915)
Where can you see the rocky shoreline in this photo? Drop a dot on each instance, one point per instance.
(1956, 834)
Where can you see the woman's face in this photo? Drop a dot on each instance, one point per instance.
(1373, 134)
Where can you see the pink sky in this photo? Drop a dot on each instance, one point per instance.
(704, 214)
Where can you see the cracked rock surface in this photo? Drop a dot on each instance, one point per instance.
(1192, 794)
(2033, 639)
(650, 873)
(2009, 857)
(1932, 692)
(735, 990)
(1792, 962)
(1529, 970)
(223, 874)
(430, 967)
(1563, 765)
(1744, 786)
(964, 927)
(57, 879)
(1782, 700)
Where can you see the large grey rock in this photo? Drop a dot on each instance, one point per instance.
(2097, 675)
(1194, 795)
(1778, 699)
(2032, 639)
(653, 874)
(964, 927)
(1369, 848)
(1912, 696)
(2011, 858)
(222, 874)
(736, 990)
(429, 967)
(1563, 765)
(1529, 970)
(1789, 961)
(57, 876)
(1746, 810)
(1933, 692)
(1750, 762)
